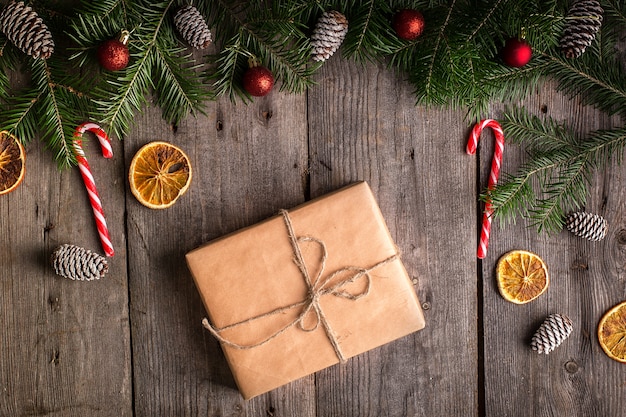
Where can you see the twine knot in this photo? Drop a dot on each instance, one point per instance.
(318, 286)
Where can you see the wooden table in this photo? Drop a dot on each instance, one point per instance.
(131, 344)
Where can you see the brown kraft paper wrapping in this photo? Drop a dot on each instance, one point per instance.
(274, 327)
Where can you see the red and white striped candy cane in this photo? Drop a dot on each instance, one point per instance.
(85, 171)
(472, 143)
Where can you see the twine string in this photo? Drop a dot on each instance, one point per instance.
(317, 287)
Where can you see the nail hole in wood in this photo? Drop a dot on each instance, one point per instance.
(571, 367)
(55, 357)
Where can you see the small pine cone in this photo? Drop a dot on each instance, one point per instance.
(587, 225)
(192, 27)
(584, 19)
(330, 31)
(22, 26)
(76, 263)
(552, 332)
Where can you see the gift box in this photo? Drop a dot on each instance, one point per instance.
(304, 290)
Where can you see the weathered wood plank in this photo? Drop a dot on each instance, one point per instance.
(364, 126)
(64, 345)
(75, 349)
(577, 379)
(248, 162)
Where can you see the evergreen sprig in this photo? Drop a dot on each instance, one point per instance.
(370, 35)
(252, 29)
(456, 62)
(557, 175)
(51, 106)
(59, 110)
(599, 82)
(159, 64)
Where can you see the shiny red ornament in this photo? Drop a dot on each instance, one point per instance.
(258, 81)
(113, 55)
(408, 24)
(516, 52)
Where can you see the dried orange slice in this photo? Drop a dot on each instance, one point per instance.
(522, 276)
(612, 332)
(12, 162)
(159, 173)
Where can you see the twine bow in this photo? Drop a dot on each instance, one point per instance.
(317, 287)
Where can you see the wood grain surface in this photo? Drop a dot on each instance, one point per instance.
(132, 344)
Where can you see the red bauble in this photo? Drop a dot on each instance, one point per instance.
(258, 81)
(408, 24)
(516, 52)
(113, 55)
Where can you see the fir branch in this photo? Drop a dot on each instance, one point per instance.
(18, 115)
(560, 166)
(539, 136)
(10, 56)
(126, 95)
(370, 35)
(229, 69)
(286, 54)
(493, 7)
(428, 87)
(4, 84)
(515, 195)
(358, 29)
(568, 190)
(604, 146)
(51, 110)
(506, 85)
(458, 63)
(274, 36)
(88, 32)
(602, 85)
(9, 60)
(178, 92)
(454, 63)
(306, 10)
(122, 96)
(616, 10)
(107, 9)
(512, 196)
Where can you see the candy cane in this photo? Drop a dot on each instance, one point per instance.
(85, 171)
(472, 143)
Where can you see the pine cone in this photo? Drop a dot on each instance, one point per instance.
(584, 19)
(330, 31)
(76, 263)
(552, 332)
(587, 225)
(192, 27)
(22, 26)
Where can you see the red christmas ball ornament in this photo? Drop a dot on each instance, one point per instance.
(113, 55)
(516, 52)
(408, 24)
(258, 80)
